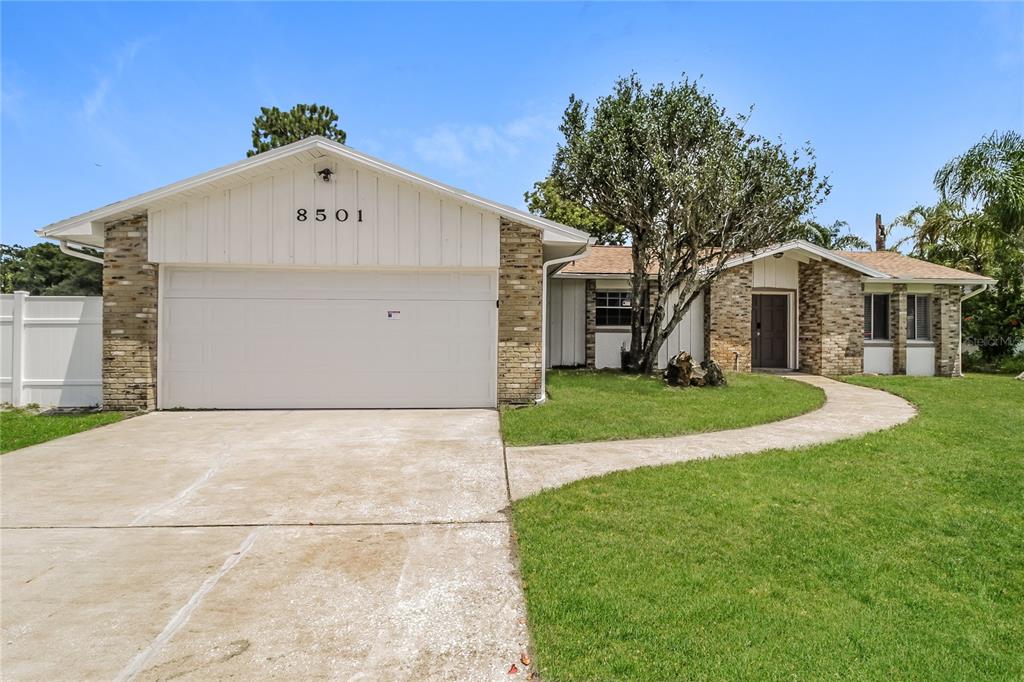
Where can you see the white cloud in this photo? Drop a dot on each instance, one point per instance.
(465, 148)
(531, 126)
(93, 102)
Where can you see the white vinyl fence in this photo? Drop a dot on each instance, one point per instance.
(51, 349)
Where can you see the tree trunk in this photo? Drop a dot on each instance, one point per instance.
(636, 329)
(649, 357)
(658, 331)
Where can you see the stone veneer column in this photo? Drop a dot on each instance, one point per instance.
(129, 317)
(730, 307)
(519, 313)
(809, 324)
(946, 330)
(831, 319)
(898, 327)
(591, 324)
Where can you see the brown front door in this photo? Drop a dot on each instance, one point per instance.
(768, 330)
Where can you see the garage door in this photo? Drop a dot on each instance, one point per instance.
(274, 338)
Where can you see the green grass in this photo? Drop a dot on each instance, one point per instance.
(585, 406)
(898, 555)
(21, 428)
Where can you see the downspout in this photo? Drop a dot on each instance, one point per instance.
(67, 250)
(582, 253)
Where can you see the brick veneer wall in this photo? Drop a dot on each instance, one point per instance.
(519, 313)
(590, 329)
(946, 330)
(898, 327)
(129, 317)
(809, 317)
(831, 319)
(728, 321)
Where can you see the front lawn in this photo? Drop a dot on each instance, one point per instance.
(585, 406)
(898, 555)
(20, 428)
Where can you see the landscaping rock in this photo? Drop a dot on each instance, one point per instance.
(713, 374)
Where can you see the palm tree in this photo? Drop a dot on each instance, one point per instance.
(989, 176)
(831, 237)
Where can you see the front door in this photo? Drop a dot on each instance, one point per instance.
(768, 329)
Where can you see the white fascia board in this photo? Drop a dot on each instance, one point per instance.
(603, 275)
(928, 280)
(88, 233)
(813, 249)
(552, 231)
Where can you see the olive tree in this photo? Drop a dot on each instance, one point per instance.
(690, 186)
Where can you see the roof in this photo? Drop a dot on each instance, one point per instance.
(607, 261)
(76, 228)
(899, 266)
(603, 260)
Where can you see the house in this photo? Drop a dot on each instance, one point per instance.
(314, 275)
(796, 306)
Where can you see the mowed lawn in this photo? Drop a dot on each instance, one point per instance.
(587, 405)
(898, 555)
(21, 428)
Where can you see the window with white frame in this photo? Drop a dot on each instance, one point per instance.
(876, 317)
(614, 308)
(919, 326)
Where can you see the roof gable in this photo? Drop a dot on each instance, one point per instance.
(291, 216)
(84, 226)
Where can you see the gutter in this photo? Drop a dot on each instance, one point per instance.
(67, 250)
(582, 253)
(974, 292)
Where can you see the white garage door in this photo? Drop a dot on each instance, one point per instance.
(273, 338)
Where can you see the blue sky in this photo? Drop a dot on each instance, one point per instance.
(102, 101)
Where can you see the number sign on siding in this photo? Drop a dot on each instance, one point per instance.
(291, 216)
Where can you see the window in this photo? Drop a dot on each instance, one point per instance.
(876, 316)
(919, 326)
(613, 308)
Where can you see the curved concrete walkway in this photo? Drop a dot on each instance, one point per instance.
(848, 411)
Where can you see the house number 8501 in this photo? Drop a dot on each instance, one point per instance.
(320, 215)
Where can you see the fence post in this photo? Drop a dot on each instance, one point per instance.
(17, 347)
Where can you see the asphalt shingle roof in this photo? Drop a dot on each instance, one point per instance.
(616, 260)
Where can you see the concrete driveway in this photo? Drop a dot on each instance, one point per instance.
(265, 544)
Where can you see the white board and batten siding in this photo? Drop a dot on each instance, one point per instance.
(775, 273)
(256, 223)
(567, 320)
(566, 337)
(51, 350)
